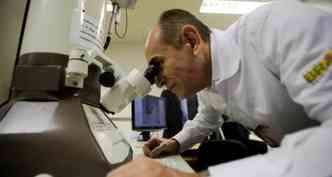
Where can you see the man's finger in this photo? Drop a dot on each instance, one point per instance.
(147, 151)
(158, 150)
(152, 143)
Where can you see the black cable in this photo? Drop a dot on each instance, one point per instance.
(113, 16)
(107, 42)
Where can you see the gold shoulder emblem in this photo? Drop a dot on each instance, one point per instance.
(319, 69)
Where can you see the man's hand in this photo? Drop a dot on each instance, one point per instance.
(268, 135)
(145, 167)
(156, 147)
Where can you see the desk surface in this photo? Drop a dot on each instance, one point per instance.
(174, 161)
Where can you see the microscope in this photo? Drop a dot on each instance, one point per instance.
(55, 122)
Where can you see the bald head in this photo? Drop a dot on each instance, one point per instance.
(170, 26)
(153, 41)
(179, 42)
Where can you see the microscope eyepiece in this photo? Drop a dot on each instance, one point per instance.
(107, 78)
(152, 72)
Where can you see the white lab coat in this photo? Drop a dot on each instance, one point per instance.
(258, 69)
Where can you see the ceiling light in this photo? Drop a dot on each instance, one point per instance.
(229, 7)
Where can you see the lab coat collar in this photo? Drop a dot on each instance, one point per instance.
(224, 55)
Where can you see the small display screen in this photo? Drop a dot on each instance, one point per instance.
(148, 113)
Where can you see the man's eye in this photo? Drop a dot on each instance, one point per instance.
(154, 61)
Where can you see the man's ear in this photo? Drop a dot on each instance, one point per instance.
(191, 36)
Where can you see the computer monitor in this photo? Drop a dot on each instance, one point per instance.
(148, 113)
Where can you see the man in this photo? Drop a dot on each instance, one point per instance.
(272, 68)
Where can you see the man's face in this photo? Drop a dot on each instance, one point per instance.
(183, 73)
